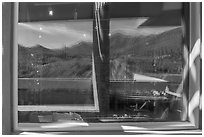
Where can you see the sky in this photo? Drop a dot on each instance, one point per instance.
(131, 27)
(58, 34)
(54, 34)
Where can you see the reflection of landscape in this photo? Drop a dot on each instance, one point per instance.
(54, 58)
(154, 62)
(38, 61)
(45, 91)
(154, 55)
(160, 54)
(39, 64)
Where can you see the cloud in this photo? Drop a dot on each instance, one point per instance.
(32, 27)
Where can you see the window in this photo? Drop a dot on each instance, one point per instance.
(146, 62)
(54, 63)
(94, 64)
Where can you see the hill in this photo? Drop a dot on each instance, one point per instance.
(160, 54)
(146, 45)
(38, 61)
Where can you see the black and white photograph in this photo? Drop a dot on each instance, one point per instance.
(102, 68)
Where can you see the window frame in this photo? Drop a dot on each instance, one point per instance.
(135, 127)
(47, 107)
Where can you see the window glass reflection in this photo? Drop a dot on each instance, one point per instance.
(52, 55)
(145, 53)
(146, 62)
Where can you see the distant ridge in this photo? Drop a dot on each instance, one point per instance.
(128, 55)
(124, 44)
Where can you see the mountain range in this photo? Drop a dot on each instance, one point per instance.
(142, 45)
(128, 54)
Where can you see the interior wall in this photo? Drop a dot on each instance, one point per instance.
(7, 17)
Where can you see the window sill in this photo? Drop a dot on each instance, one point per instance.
(109, 128)
(181, 132)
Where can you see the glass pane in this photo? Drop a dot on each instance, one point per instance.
(146, 61)
(55, 54)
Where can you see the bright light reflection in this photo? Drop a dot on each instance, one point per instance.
(50, 12)
(65, 124)
(132, 128)
(32, 133)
